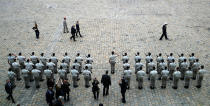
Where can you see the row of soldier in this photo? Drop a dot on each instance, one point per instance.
(34, 68)
(184, 71)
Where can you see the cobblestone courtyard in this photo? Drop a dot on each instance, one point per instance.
(119, 25)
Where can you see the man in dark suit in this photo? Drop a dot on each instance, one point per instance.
(78, 29)
(164, 32)
(106, 81)
(9, 88)
(50, 96)
(73, 32)
(65, 88)
(123, 86)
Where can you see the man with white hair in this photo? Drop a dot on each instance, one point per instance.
(164, 30)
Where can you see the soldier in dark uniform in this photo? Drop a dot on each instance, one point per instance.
(73, 31)
(164, 31)
(78, 29)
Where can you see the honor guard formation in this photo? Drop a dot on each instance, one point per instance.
(36, 69)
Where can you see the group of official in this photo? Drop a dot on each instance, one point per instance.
(74, 31)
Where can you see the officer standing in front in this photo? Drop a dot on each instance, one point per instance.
(112, 61)
(73, 32)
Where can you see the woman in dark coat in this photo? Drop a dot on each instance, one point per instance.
(95, 88)
(123, 86)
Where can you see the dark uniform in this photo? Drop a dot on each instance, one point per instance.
(73, 31)
(78, 29)
(164, 32)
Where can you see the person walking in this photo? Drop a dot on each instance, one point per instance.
(9, 90)
(78, 29)
(73, 32)
(106, 81)
(164, 30)
(95, 88)
(123, 86)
